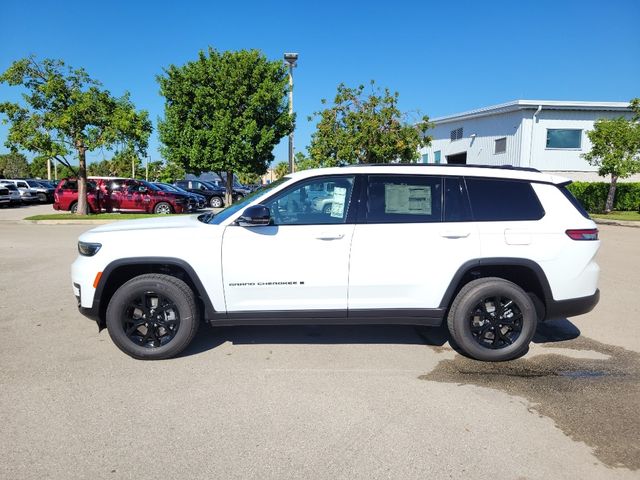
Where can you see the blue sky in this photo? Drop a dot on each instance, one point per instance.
(443, 57)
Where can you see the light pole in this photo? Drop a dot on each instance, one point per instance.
(291, 60)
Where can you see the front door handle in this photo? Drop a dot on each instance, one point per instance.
(330, 236)
(454, 234)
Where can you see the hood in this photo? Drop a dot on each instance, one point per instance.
(174, 221)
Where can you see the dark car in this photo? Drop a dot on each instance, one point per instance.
(44, 191)
(197, 201)
(213, 194)
(239, 190)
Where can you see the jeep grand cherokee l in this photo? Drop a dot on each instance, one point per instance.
(489, 251)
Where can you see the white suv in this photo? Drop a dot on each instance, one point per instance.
(489, 250)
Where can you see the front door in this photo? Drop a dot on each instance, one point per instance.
(300, 262)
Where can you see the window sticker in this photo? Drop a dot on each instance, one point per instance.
(407, 199)
(338, 201)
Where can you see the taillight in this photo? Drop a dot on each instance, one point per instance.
(583, 234)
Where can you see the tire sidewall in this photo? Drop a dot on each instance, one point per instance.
(215, 202)
(120, 301)
(462, 326)
(160, 204)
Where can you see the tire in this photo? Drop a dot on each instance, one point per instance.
(42, 197)
(327, 209)
(172, 330)
(216, 202)
(163, 208)
(489, 329)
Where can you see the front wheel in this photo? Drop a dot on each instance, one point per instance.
(152, 317)
(492, 319)
(215, 202)
(163, 208)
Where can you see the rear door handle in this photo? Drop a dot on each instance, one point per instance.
(330, 236)
(454, 234)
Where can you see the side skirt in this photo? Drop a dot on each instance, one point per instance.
(428, 317)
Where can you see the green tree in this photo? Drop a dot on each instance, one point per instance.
(155, 170)
(38, 168)
(124, 162)
(250, 178)
(171, 172)
(302, 162)
(224, 112)
(66, 112)
(615, 149)
(100, 169)
(14, 165)
(281, 169)
(366, 128)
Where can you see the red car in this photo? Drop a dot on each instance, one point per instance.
(120, 195)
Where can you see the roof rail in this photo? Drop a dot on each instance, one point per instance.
(452, 165)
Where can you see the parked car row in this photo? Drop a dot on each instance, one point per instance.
(25, 191)
(114, 194)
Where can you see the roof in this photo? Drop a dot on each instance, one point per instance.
(490, 171)
(533, 105)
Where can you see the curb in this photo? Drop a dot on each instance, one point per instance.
(66, 222)
(617, 223)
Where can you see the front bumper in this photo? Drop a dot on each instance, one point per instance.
(572, 307)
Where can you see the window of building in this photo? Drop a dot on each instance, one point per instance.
(503, 200)
(564, 138)
(456, 134)
(425, 158)
(501, 145)
(436, 156)
(404, 199)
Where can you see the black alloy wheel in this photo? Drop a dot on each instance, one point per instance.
(492, 319)
(496, 322)
(151, 320)
(152, 316)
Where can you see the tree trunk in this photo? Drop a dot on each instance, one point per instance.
(228, 196)
(612, 194)
(82, 180)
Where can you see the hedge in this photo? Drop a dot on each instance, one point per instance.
(593, 195)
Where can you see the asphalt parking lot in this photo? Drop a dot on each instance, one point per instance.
(310, 402)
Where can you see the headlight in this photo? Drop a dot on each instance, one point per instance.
(88, 249)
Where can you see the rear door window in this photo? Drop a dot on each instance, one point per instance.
(495, 200)
(404, 199)
(456, 202)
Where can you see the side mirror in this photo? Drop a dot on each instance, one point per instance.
(254, 216)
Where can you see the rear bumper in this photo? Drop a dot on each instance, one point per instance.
(572, 307)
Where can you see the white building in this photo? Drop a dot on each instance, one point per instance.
(544, 134)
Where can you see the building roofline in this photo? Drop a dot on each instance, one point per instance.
(516, 105)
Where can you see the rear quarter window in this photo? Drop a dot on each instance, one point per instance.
(495, 200)
(574, 201)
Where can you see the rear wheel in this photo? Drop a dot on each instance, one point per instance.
(152, 317)
(74, 208)
(215, 202)
(492, 319)
(42, 197)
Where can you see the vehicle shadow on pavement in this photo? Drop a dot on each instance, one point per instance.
(211, 337)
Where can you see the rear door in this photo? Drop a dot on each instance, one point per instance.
(415, 233)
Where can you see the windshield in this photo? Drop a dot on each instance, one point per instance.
(216, 219)
(150, 186)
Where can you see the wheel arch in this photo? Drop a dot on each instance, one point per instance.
(525, 273)
(120, 271)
